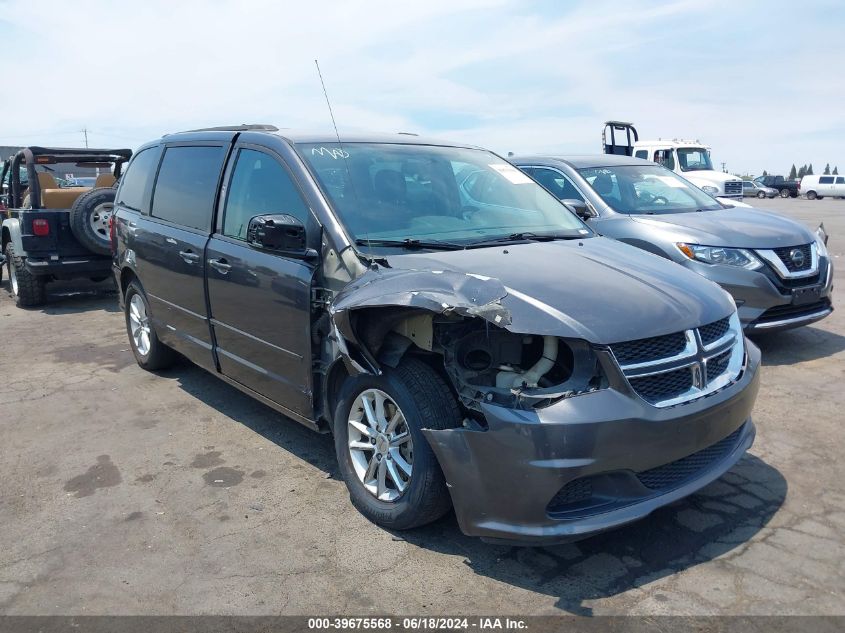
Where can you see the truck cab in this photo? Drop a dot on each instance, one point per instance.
(687, 158)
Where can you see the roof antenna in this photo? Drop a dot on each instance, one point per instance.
(343, 153)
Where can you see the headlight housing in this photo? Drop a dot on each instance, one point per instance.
(821, 247)
(739, 257)
(713, 191)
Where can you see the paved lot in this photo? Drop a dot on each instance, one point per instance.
(125, 492)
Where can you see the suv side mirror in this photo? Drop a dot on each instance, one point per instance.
(282, 233)
(579, 207)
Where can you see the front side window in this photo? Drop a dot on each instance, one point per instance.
(646, 189)
(558, 184)
(694, 159)
(187, 185)
(134, 182)
(664, 157)
(840, 180)
(259, 186)
(392, 191)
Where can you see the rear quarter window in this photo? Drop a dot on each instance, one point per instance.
(134, 183)
(826, 180)
(187, 185)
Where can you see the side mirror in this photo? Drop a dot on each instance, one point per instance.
(281, 233)
(579, 207)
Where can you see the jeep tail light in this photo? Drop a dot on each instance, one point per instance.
(112, 233)
(40, 227)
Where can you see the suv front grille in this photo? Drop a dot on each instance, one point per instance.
(683, 366)
(785, 255)
(733, 188)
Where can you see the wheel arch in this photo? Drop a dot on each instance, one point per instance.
(12, 233)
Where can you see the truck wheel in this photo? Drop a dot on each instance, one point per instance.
(784, 193)
(761, 194)
(811, 195)
(89, 219)
(27, 290)
(150, 353)
(389, 468)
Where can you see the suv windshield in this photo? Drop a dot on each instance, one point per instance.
(425, 193)
(646, 189)
(694, 159)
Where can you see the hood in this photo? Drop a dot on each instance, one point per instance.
(708, 176)
(739, 227)
(594, 289)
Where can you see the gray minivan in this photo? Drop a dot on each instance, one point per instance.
(466, 338)
(778, 272)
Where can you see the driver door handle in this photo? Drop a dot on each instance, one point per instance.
(189, 257)
(220, 265)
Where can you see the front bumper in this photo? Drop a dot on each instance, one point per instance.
(69, 267)
(505, 479)
(765, 303)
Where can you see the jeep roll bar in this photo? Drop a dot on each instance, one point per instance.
(32, 156)
(612, 147)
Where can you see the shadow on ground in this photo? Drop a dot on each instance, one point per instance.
(798, 345)
(71, 297)
(711, 523)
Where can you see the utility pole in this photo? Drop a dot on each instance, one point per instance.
(85, 132)
(723, 165)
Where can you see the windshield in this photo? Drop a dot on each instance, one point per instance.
(694, 159)
(646, 189)
(427, 193)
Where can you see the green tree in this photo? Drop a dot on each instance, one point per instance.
(810, 170)
(802, 171)
(836, 171)
(827, 170)
(764, 173)
(793, 173)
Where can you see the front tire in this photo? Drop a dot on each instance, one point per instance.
(811, 195)
(150, 353)
(761, 194)
(27, 290)
(389, 468)
(784, 193)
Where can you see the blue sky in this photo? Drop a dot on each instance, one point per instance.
(761, 82)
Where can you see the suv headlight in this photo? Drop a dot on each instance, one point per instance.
(740, 257)
(821, 247)
(713, 191)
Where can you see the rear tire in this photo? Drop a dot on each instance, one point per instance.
(150, 353)
(27, 290)
(423, 400)
(89, 219)
(784, 193)
(811, 195)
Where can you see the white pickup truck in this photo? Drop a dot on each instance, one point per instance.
(690, 159)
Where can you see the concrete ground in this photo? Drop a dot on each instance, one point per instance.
(125, 492)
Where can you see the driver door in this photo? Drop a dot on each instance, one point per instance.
(259, 300)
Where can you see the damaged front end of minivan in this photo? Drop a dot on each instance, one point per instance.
(463, 323)
(554, 437)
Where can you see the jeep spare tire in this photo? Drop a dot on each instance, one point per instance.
(89, 219)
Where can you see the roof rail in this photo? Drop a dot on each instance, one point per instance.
(243, 127)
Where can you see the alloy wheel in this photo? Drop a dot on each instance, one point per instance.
(139, 324)
(380, 445)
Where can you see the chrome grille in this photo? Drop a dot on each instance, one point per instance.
(646, 349)
(664, 372)
(712, 332)
(733, 188)
(786, 255)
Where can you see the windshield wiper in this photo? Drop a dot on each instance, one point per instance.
(411, 244)
(527, 236)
